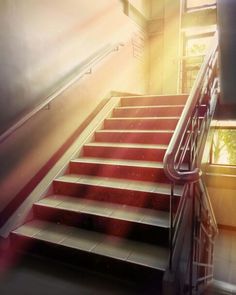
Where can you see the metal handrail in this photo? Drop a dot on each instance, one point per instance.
(169, 159)
(209, 205)
(87, 68)
(186, 147)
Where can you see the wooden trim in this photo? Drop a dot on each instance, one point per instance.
(227, 227)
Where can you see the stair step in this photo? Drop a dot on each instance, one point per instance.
(146, 152)
(151, 195)
(134, 136)
(121, 212)
(154, 100)
(151, 123)
(147, 111)
(129, 169)
(115, 219)
(93, 243)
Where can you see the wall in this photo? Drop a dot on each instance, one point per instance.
(41, 42)
(165, 46)
(224, 204)
(227, 34)
(225, 257)
(166, 29)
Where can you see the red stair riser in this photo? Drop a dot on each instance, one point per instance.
(148, 112)
(154, 101)
(141, 124)
(145, 138)
(114, 195)
(104, 224)
(119, 171)
(124, 153)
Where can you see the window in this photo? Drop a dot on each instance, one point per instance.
(199, 4)
(194, 50)
(223, 150)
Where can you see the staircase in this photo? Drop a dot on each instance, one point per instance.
(110, 210)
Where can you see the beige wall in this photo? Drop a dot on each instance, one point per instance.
(165, 47)
(166, 28)
(41, 42)
(224, 205)
(225, 257)
(143, 6)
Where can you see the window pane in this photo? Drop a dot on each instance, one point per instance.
(224, 147)
(197, 46)
(197, 3)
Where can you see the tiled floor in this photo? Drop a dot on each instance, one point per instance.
(42, 277)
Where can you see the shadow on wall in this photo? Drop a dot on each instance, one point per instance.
(25, 153)
(41, 42)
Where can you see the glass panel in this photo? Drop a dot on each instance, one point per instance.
(224, 147)
(197, 46)
(199, 3)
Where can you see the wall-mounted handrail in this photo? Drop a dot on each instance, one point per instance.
(169, 159)
(85, 69)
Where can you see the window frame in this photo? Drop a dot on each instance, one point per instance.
(184, 66)
(187, 9)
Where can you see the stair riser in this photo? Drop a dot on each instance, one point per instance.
(127, 137)
(95, 262)
(148, 112)
(154, 101)
(114, 195)
(124, 153)
(103, 224)
(141, 124)
(152, 111)
(119, 171)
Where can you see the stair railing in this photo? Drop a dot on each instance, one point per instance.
(77, 74)
(192, 222)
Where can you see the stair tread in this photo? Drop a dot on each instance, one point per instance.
(127, 145)
(130, 163)
(105, 209)
(155, 96)
(134, 131)
(148, 107)
(143, 118)
(135, 185)
(139, 253)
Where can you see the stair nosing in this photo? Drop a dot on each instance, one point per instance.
(118, 162)
(126, 145)
(150, 106)
(143, 118)
(135, 131)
